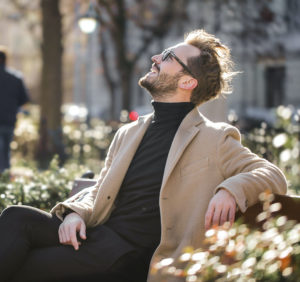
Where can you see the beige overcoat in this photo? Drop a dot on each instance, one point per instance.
(203, 157)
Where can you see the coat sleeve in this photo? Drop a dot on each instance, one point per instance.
(245, 174)
(82, 202)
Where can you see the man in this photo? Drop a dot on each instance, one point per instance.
(12, 96)
(167, 178)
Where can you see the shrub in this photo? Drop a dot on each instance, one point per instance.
(280, 144)
(240, 254)
(84, 144)
(40, 189)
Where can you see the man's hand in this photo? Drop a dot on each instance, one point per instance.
(68, 229)
(221, 208)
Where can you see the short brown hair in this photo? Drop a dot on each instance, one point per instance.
(213, 68)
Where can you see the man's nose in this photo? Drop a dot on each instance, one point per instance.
(156, 59)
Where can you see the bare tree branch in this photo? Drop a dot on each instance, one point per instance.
(160, 29)
(31, 24)
(117, 15)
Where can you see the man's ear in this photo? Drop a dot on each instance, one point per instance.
(187, 83)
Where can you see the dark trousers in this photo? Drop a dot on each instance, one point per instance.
(6, 135)
(30, 251)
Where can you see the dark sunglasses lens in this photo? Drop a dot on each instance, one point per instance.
(165, 55)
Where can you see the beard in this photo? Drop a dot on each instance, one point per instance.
(161, 86)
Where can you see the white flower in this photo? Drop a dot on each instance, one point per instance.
(279, 140)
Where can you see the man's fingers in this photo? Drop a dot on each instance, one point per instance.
(68, 233)
(208, 216)
(59, 235)
(63, 236)
(216, 216)
(82, 231)
(73, 238)
(68, 230)
(231, 215)
(221, 209)
(224, 215)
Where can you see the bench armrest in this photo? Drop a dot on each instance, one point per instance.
(290, 205)
(81, 183)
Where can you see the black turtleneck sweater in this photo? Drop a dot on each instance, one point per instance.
(137, 216)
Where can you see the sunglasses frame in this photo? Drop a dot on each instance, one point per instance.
(168, 52)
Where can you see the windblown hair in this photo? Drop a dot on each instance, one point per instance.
(213, 68)
(3, 55)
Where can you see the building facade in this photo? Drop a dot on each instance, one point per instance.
(264, 37)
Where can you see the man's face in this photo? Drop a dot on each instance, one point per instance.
(162, 80)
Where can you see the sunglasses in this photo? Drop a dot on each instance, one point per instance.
(170, 54)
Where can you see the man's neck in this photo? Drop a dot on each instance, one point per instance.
(173, 98)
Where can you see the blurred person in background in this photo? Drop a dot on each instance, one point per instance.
(13, 95)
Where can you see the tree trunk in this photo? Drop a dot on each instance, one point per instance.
(51, 83)
(126, 77)
(108, 77)
(123, 63)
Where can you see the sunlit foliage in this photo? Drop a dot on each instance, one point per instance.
(240, 253)
(40, 189)
(280, 143)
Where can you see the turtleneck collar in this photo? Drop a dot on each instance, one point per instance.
(171, 112)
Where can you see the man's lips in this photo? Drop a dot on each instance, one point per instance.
(155, 68)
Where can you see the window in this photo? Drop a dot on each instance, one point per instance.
(275, 82)
(293, 14)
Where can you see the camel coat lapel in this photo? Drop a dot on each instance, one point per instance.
(111, 184)
(184, 135)
(124, 157)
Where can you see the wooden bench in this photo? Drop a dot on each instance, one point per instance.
(290, 207)
(290, 204)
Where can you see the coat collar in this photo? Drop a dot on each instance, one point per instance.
(145, 119)
(184, 135)
(193, 118)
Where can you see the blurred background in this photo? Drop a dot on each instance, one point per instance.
(80, 61)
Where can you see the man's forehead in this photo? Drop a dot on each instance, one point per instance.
(185, 49)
